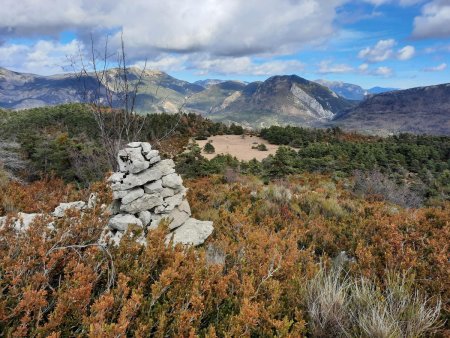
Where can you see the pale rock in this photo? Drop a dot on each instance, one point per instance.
(92, 201)
(116, 177)
(166, 167)
(131, 160)
(61, 209)
(115, 239)
(134, 144)
(21, 222)
(192, 232)
(146, 149)
(131, 181)
(120, 222)
(173, 181)
(137, 162)
(154, 160)
(146, 202)
(151, 154)
(177, 218)
(184, 206)
(117, 195)
(174, 201)
(167, 192)
(145, 217)
(153, 188)
(161, 209)
(155, 219)
(132, 195)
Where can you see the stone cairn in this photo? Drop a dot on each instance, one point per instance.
(147, 190)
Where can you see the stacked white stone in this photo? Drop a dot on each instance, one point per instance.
(146, 190)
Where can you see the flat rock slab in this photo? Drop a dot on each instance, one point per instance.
(146, 202)
(121, 222)
(61, 209)
(192, 232)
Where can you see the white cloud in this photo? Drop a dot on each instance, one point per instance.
(399, 2)
(165, 63)
(46, 56)
(223, 28)
(439, 68)
(383, 71)
(244, 66)
(382, 51)
(406, 53)
(363, 67)
(326, 67)
(434, 21)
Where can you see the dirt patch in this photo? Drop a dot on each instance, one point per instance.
(238, 146)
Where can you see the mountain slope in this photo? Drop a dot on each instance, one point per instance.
(19, 91)
(416, 110)
(280, 100)
(213, 96)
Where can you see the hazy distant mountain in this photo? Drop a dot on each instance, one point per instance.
(416, 110)
(280, 100)
(208, 82)
(351, 91)
(379, 90)
(346, 90)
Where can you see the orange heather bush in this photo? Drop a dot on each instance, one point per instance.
(249, 279)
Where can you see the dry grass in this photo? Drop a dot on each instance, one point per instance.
(342, 307)
(238, 146)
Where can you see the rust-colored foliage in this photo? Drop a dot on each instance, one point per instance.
(39, 196)
(247, 280)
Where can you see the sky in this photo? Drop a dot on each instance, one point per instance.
(388, 43)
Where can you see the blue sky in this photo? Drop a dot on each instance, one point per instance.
(402, 44)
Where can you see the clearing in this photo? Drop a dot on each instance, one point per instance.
(238, 146)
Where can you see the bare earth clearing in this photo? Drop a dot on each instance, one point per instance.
(238, 146)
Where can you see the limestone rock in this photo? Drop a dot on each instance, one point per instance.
(173, 181)
(134, 144)
(132, 195)
(131, 181)
(153, 188)
(192, 232)
(167, 192)
(121, 221)
(21, 222)
(146, 149)
(131, 160)
(184, 206)
(146, 202)
(63, 207)
(145, 217)
(117, 195)
(149, 155)
(154, 160)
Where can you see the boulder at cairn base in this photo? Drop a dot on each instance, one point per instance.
(192, 232)
(120, 222)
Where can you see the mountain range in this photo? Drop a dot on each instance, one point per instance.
(351, 91)
(279, 100)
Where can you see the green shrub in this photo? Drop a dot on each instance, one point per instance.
(209, 148)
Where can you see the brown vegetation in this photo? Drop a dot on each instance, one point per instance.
(248, 280)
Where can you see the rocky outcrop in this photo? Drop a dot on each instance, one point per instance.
(147, 190)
